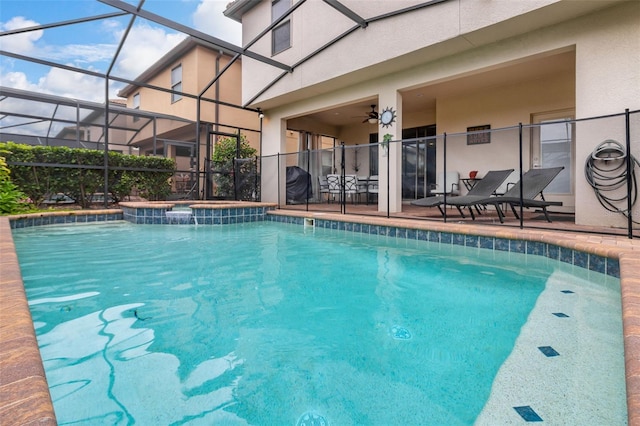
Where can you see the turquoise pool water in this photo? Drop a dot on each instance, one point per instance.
(268, 323)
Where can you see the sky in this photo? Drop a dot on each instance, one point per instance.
(92, 45)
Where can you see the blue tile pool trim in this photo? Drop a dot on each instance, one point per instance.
(148, 216)
(35, 220)
(203, 216)
(592, 262)
(226, 216)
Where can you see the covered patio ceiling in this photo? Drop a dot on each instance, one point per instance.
(423, 97)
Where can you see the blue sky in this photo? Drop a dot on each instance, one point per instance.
(92, 45)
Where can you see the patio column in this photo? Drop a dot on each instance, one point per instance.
(274, 142)
(390, 160)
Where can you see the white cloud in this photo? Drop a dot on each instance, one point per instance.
(144, 46)
(33, 44)
(55, 82)
(72, 85)
(59, 82)
(209, 19)
(22, 42)
(80, 53)
(17, 80)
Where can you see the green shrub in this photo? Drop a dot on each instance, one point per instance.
(80, 173)
(236, 178)
(11, 199)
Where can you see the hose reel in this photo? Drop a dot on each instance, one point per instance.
(606, 171)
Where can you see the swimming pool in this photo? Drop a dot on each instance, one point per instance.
(293, 343)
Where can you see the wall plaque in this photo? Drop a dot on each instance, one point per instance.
(479, 134)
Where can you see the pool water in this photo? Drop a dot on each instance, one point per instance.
(268, 323)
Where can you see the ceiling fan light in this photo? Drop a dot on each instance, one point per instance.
(372, 120)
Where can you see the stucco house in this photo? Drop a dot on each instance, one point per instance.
(446, 67)
(192, 67)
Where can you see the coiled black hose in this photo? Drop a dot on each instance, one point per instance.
(606, 171)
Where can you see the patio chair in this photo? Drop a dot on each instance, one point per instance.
(451, 179)
(533, 183)
(484, 188)
(372, 187)
(352, 187)
(335, 187)
(323, 187)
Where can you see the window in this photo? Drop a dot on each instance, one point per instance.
(183, 151)
(136, 105)
(556, 140)
(280, 35)
(159, 152)
(176, 83)
(553, 145)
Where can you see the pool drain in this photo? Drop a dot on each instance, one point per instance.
(312, 419)
(400, 333)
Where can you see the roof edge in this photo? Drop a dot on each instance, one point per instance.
(179, 50)
(237, 8)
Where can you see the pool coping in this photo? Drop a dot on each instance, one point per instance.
(24, 393)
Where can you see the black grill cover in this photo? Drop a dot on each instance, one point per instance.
(298, 184)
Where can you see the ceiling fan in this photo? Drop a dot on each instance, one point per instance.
(372, 116)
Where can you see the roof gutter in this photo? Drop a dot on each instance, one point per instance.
(236, 9)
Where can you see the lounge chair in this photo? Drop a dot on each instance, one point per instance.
(533, 183)
(483, 189)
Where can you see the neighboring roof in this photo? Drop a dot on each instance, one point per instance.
(119, 102)
(174, 54)
(237, 8)
(89, 110)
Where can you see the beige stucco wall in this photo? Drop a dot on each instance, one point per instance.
(502, 108)
(607, 82)
(198, 70)
(199, 65)
(606, 79)
(388, 45)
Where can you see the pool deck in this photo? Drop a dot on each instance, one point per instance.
(24, 393)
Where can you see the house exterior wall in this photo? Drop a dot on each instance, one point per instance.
(435, 47)
(199, 67)
(487, 106)
(388, 45)
(161, 102)
(198, 70)
(607, 82)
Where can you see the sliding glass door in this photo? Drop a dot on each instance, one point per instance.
(418, 161)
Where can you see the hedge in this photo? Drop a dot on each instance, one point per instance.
(43, 171)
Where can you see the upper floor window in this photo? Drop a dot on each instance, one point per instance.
(136, 105)
(176, 83)
(280, 35)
